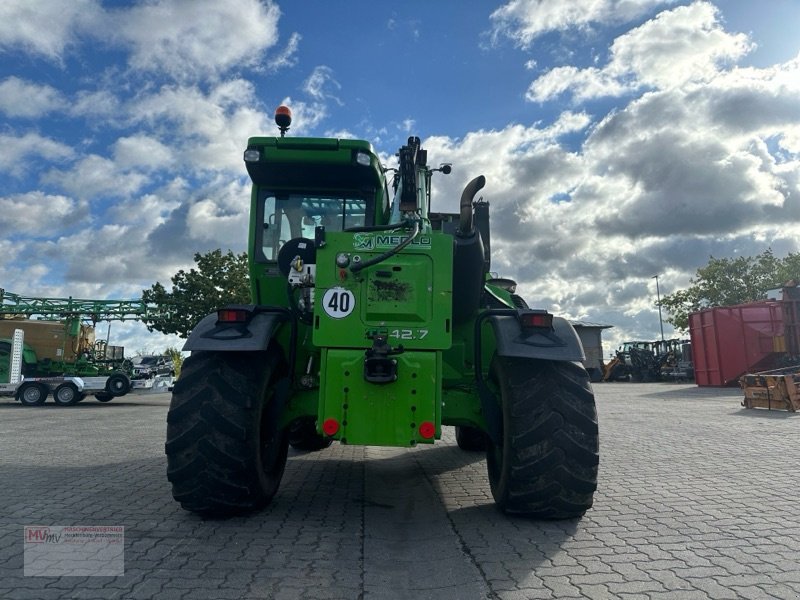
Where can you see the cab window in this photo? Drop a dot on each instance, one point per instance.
(285, 217)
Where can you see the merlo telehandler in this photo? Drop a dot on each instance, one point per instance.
(376, 322)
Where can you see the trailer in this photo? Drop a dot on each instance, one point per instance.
(66, 390)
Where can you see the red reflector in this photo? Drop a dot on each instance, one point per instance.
(427, 430)
(536, 319)
(330, 426)
(231, 315)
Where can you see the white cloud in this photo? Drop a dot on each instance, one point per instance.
(142, 151)
(687, 44)
(37, 214)
(23, 154)
(187, 40)
(584, 84)
(680, 45)
(221, 216)
(319, 84)
(286, 57)
(525, 20)
(95, 176)
(98, 104)
(209, 129)
(20, 98)
(44, 27)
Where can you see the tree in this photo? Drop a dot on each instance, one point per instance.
(730, 281)
(177, 359)
(219, 279)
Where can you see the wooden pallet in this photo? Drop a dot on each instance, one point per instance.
(775, 390)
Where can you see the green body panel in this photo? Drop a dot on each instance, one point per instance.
(381, 414)
(406, 298)
(461, 405)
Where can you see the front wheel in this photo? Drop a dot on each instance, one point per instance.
(225, 452)
(546, 465)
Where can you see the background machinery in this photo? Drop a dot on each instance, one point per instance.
(60, 352)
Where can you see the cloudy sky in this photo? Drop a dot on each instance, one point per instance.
(620, 139)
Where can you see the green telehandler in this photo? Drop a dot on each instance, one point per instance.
(376, 322)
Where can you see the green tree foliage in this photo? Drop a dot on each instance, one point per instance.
(177, 359)
(219, 279)
(730, 281)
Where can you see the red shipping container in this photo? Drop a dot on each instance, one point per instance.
(729, 341)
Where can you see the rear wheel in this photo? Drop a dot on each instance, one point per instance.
(103, 397)
(303, 436)
(66, 394)
(225, 453)
(471, 439)
(32, 393)
(546, 466)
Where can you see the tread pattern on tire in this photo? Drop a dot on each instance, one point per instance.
(214, 457)
(548, 465)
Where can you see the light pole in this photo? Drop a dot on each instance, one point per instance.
(658, 296)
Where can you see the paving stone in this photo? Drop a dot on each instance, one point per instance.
(697, 499)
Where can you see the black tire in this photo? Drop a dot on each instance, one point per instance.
(117, 384)
(103, 397)
(225, 454)
(67, 394)
(303, 436)
(547, 464)
(32, 393)
(470, 439)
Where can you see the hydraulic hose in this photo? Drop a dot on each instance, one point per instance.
(366, 228)
(356, 267)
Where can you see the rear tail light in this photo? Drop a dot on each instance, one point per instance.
(232, 315)
(535, 319)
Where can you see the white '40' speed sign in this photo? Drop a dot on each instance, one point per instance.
(338, 302)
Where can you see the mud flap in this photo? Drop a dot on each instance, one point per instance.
(561, 343)
(250, 336)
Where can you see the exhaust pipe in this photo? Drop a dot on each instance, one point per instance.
(465, 222)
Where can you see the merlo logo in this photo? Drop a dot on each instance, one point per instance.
(363, 241)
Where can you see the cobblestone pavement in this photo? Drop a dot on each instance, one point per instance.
(698, 498)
